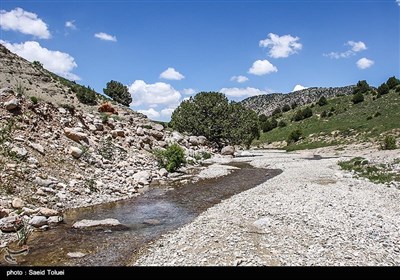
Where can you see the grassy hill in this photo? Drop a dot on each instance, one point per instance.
(347, 123)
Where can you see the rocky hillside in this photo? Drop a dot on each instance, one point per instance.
(266, 104)
(57, 153)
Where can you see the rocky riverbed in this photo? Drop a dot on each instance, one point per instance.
(311, 214)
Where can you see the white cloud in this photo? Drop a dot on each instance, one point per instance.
(55, 61)
(167, 112)
(355, 48)
(153, 94)
(364, 63)
(105, 37)
(243, 92)
(70, 24)
(24, 22)
(171, 74)
(262, 67)
(281, 46)
(298, 87)
(398, 2)
(188, 91)
(150, 113)
(239, 79)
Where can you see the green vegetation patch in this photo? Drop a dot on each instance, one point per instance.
(377, 173)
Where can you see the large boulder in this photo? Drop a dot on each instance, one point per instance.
(75, 152)
(11, 104)
(10, 224)
(202, 140)
(117, 133)
(38, 221)
(228, 151)
(48, 212)
(17, 203)
(75, 135)
(194, 141)
(84, 224)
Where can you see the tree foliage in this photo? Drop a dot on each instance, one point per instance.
(286, 108)
(358, 98)
(362, 87)
(211, 115)
(392, 82)
(171, 158)
(302, 114)
(322, 101)
(294, 136)
(86, 95)
(118, 92)
(383, 89)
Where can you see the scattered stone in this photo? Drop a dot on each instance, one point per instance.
(54, 220)
(75, 152)
(38, 221)
(10, 224)
(36, 147)
(74, 135)
(228, 151)
(117, 133)
(17, 203)
(12, 104)
(48, 212)
(19, 152)
(83, 224)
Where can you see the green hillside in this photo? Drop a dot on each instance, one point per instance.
(345, 122)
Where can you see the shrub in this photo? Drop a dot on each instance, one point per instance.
(262, 118)
(34, 99)
(69, 107)
(383, 89)
(269, 125)
(324, 114)
(392, 82)
(286, 108)
(294, 136)
(322, 101)
(302, 114)
(107, 108)
(389, 143)
(171, 158)
(118, 92)
(282, 123)
(377, 114)
(369, 118)
(37, 64)
(277, 111)
(293, 105)
(362, 87)
(210, 114)
(86, 95)
(398, 89)
(358, 98)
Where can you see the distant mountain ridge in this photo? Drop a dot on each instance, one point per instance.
(267, 103)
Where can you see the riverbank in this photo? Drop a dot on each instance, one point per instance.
(311, 214)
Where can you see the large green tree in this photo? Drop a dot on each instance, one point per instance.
(210, 114)
(118, 92)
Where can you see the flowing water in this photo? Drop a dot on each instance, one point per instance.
(146, 218)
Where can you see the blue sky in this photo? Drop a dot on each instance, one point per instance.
(165, 51)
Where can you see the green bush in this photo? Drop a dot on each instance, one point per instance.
(362, 87)
(383, 89)
(392, 82)
(171, 158)
(211, 114)
(262, 118)
(294, 136)
(324, 114)
(322, 101)
(118, 92)
(277, 111)
(357, 98)
(293, 105)
(34, 99)
(269, 125)
(389, 143)
(398, 89)
(369, 118)
(86, 95)
(286, 108)
(282, 123)
(377, 114)
(302, 114)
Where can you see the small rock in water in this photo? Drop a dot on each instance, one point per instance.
(152, 222)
